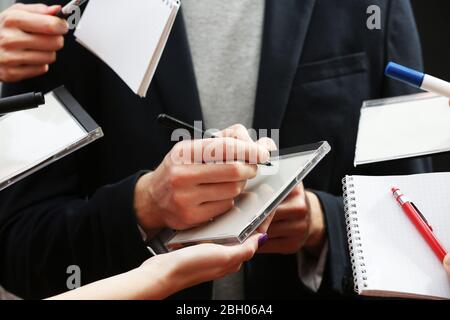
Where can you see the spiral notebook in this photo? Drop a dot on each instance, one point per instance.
(129, 36)
(389, 256)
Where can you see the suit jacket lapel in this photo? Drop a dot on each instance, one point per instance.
(285, 28)
(175, 77)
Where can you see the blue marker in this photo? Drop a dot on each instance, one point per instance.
(418, 79)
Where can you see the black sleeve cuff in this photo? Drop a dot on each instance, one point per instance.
(338, 271)
(119, 223)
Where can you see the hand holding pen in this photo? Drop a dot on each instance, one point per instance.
(237, 131)
(30, 37)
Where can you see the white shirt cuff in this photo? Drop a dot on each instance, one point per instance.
(311, 269)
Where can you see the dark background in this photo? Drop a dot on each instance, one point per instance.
(433, 21)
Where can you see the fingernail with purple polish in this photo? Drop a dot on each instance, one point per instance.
(262, 240)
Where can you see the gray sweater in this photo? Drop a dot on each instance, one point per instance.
(225, 38)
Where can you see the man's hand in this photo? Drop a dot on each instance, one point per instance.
(187, 189)
(30, 36)
(447, 264)
(298, 224)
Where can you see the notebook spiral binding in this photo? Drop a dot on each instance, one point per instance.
(354, 236)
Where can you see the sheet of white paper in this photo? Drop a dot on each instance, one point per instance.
(403, 129)
(29, 137)
(124, 34)
(396, 257)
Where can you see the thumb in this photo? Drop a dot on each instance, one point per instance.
(447, 264)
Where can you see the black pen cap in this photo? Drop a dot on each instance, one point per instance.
(21, 102)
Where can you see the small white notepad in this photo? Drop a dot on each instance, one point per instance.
(129, 36)
(389, 256)
(403, 127)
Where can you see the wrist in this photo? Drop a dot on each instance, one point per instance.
(162, 269)
(145, 205)
(317, 231)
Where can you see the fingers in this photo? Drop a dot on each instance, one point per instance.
(29, 37)
(207, 262)
(210, 210)
(292, 209)
(217, 192)
(20, 58)
(447, 264)
(37, 8)
(197, 174)
(19, 73)
(267, 143)
(36, 23)
(237, 131)
(284, 229)
(16, 39)
(231, 149)
(245, 251)
(219, 150)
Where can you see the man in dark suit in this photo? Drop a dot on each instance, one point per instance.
(319, 61)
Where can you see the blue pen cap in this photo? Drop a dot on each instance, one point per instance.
(404, 74)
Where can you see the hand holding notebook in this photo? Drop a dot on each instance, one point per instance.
(389, 256)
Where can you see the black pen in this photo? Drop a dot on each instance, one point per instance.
(173, 123)
(21, 102)
(68, 8)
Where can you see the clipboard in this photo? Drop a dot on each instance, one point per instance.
(411, 126)
(33, 139)
(260, 198)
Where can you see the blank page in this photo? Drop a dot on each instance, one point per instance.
(394, 129)
(32, 136)
(397, 258)
(125, 34)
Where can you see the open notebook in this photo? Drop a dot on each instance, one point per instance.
(389, 256)
(403, 127)
(129, 36)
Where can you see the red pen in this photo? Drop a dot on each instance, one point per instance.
(421, 224)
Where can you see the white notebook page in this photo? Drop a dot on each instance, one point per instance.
(403, 129)
(125, 34)
(396, 256)
(32, 136)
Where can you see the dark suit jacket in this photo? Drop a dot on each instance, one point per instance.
(319, 62)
